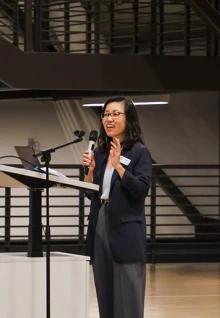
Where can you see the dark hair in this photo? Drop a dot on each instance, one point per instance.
(133, 131)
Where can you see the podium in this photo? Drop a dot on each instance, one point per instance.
(11, 177)
(63, 266)
(23, 280)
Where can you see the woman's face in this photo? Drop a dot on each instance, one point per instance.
(115, 125)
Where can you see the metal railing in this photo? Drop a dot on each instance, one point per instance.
(10, 27)
(107, 27)
(184, 218)
(182, 213)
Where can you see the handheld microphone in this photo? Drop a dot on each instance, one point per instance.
(92, 140)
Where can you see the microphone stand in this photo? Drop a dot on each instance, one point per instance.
(46, 158)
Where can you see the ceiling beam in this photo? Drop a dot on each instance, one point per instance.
(107, 73)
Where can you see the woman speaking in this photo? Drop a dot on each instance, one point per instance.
(116, 237)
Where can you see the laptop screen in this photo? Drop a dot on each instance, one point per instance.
(26, 153)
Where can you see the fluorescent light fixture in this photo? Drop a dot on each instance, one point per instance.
(150, 103)
(93, 105)
(141, 100)
(136, 104)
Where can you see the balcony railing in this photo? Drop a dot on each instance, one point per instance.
(107, 27)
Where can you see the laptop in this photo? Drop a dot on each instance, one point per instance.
(29, 162)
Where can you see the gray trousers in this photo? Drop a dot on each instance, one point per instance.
(120, 287)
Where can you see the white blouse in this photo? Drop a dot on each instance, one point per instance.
(106, 183)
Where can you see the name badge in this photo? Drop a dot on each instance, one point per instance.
(125, 161)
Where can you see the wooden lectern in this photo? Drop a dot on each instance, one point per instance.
(35, 181)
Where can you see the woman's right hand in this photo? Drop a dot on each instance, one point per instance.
(88, 162)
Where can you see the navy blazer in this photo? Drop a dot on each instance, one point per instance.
(127, 223)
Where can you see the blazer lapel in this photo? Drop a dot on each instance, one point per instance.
(100, 173)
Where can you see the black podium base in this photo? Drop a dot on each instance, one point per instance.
(35, 226)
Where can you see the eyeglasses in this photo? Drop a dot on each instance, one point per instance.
(114, 115)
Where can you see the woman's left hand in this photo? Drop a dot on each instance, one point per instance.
(115, 153)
